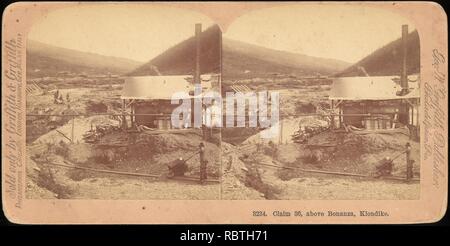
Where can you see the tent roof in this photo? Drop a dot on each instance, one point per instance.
(372, 88)
(159, 87)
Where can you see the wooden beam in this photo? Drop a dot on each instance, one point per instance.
(130, 103)
(339, 102)
(64, 135)
(332, 117)
(103, 170)
(73, 128)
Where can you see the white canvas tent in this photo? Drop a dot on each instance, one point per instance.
(372, 88)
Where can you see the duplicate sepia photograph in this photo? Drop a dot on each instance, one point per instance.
(348, 112)
(100, 81)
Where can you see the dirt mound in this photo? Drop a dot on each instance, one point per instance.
(357, 144)
(33, 190)
(292, 153)
(150, 153)
(241, 173)
(361, 153)
(44, 182)
(80, 153)
(239, 182)
(130, 152)
(171, 142)
(80, 127)
(236, 135)
(234, 189)
(305, 107)
(96, 107)
(348, 152)
(287, 128)
(231, 162)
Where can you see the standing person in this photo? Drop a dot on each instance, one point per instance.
(56, 96)
(60, 98)
(203, 163)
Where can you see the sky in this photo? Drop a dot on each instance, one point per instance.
(135, 32)
(347, 33)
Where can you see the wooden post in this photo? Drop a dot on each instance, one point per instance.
(404, 74)
(332, 116)
(132, 114)
(417, 120)
(412, 115)
(73, 127)
(409, 166)
(204, 130)
(281, 132)
(408, 118)
(124, 122)
(198, 31)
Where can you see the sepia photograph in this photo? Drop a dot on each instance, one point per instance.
(349, 98)
(224, 112)
(100, 81)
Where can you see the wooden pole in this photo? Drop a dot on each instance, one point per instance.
(404, 75)
(124, 122)
(409, 163)
(281, 131)
(332, 117)
(132, 114)
(73, 128)
(417, 120)
(64, 135)
(198, 31)
(104, 171)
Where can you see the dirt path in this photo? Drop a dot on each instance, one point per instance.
(233, 189)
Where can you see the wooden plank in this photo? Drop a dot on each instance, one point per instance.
(103, 170)
(196, 179)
